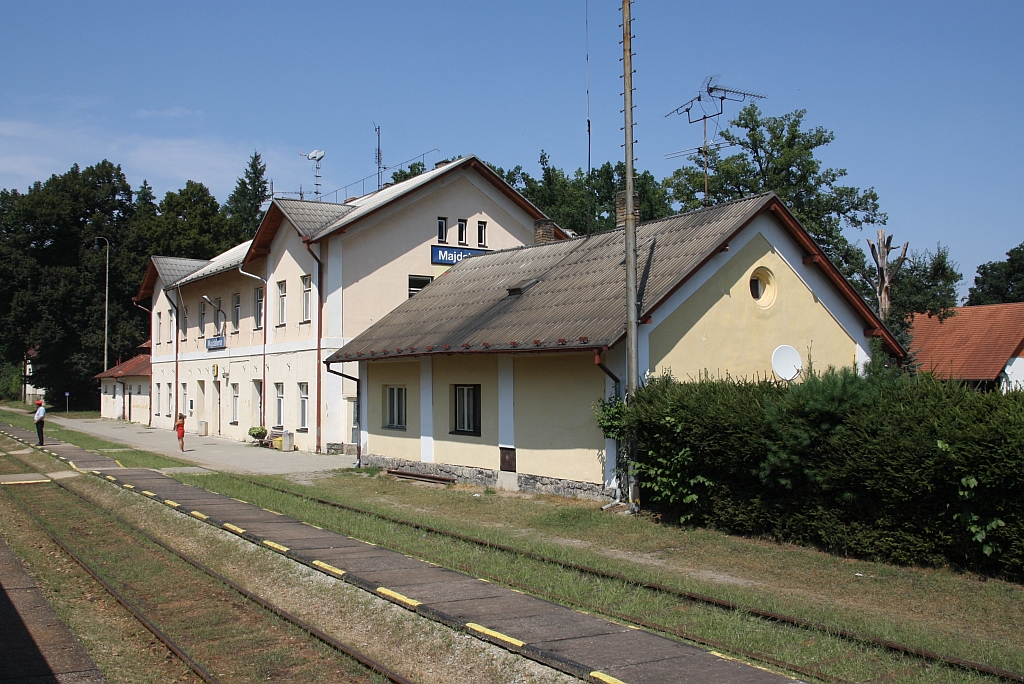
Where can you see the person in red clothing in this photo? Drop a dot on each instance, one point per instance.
(179, 427)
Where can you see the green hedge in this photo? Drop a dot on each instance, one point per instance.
(886, 467)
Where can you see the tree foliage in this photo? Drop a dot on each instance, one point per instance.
(1000, 282)
(415, 169)
(926, 285)
(244, 208)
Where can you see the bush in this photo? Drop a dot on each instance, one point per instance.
(258, 432)
(896, 468)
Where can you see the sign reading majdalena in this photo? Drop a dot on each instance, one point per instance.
(441, 255)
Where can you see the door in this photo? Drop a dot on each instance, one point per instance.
(200, 400)
(216, 403)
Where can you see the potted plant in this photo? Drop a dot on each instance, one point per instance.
(258, 432)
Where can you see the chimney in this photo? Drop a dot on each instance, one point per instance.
(543, 231)
(439, 164)
(620, 208)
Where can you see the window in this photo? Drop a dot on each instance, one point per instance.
(184, 322)
(467, 409)
(279, 415)
(218, 322)
(442, 229)
(202, 320)
(184, 397)
(258, 309)
(156, 399)
(762, 287)
(307, 296)
(481, 233)
(463, 238)
(282, 291)
(236, 311)
(234, 403)
(257, 386)
(170, 402)
(395, 410)
(170, 326)
(159, 334)
(138, 389)
(417, 283)
(303, 405)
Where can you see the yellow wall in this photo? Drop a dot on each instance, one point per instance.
(556, 433)
(467, 450)
(389, 441)
(722, 329)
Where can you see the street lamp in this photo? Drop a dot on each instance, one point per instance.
(217, 310)
(106, 298)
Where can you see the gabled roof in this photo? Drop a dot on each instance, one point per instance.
(137, 366)
(225, 261)
(974, 344)
(316, 220)
(573, 291)
(169, 270)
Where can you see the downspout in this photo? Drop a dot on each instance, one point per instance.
(177, 337)
(266, 308)
(123, 399)
(319, 334)
(359, 399)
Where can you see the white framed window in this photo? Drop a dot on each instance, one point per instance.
(463, 236)
(170, 326)
(303, 405)
(282, 292)
(202, 320)
(158, 334)
(279, 414)
(394, 414)
(257, 386)
(218, 321)
(234, 403)
(417, 283)
(481, 233)
(156, 400)
(442, 229)
(467, 409)
(184, 398)
(307, 298)
(258, 308)
(184, 322)
(170, 400)
(236, 311)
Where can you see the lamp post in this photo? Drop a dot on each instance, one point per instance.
(106, 297)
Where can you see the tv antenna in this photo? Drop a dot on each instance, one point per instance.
(709, 104)
(315, 156)
(379, 156)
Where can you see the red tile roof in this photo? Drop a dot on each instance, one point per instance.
(133, 367)
(974, 344)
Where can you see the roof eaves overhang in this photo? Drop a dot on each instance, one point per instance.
(266, 233)
(386, 354)
(148, 281)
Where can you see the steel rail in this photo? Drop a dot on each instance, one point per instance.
(277, 610)
(886, 644)
(200, 671)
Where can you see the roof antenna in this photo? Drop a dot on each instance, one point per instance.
(315, 156)
(380, 159)
(710, 102)
(586, 39)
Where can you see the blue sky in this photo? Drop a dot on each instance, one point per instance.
(925, 99)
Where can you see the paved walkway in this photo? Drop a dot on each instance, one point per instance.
(215, 453)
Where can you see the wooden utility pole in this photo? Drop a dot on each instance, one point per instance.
(632, 314)
(886, 271)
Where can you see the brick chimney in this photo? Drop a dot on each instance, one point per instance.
(543, 231)
(620, 208)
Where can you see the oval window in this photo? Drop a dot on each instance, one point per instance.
(762, 287)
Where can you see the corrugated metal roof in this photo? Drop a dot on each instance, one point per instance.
(137, 366)
(578, 300)
(225, 261)
(310, 218)
(173, 269)
(974, 344)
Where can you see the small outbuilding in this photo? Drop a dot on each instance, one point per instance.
(125, 392)
(490, 373)
(981, 345)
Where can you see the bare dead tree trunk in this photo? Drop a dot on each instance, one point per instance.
(886, 271)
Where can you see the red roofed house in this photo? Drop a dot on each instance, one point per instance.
(982, 345)
(126, 389)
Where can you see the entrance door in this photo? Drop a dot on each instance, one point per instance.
(200, 400)
(216, 403)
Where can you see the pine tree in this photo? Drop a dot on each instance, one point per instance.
(244, 207)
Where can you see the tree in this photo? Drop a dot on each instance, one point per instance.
(777, 154)
(415, 169)
(1000, 282)
(926, 285)
(244, 208)
(190, 224)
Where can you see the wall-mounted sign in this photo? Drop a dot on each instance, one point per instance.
(441, 255)
(215, 343)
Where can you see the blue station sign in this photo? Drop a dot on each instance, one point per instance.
(442, 255)
(215, 343)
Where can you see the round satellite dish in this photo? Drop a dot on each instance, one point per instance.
(786, 362)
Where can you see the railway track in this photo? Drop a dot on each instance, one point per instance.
(182, 602)
(812, 626)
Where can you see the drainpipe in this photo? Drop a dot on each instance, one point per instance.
(266, 309)
(123, 411)
(319, 333)
(359, 400)
(607, 371)
(177, 319)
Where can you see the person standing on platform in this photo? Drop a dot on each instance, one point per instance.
(179, 427)
(40, 418)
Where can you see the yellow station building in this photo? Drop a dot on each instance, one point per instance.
(491, 372)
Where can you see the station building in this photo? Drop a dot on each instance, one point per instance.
(239, 340)
(491, 373)
(125, 391)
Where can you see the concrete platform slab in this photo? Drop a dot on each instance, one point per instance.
(488, 608)
(551, 625)
(617, 650)
(23, 478)
(697, 668)
(441, 594)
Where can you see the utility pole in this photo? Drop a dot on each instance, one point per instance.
(632, 315)
(106, 298)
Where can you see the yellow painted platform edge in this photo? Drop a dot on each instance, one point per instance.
(742, 662)
(172, 504)
(128, 486)
(148, 493)
(329, 568)
(233, 528)
(602, 677)
(496, 635)
(110, 477)
(275, 546)
(401, 598)
(197, 514)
